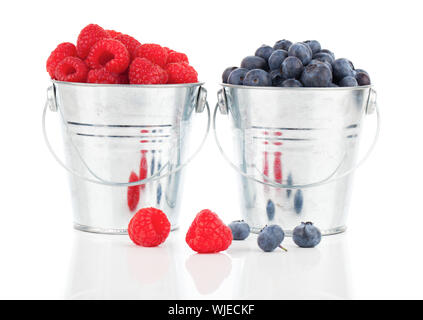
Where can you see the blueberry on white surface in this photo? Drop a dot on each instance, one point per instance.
(306, 235)
(270, 238)
(240, 230)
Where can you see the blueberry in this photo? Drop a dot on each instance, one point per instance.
(282, 44)
(333, 85)
(362, 77)
(298, 201)
(270, 209)
(270, 238)
(348, 82)
(277, 78)
(329, 52)
(324, 57)
(314, 45)
(292, 68)
(306, 235)
(257, 78)
(316, 75)
(254, 62)
(325, 63)
(240, 230)
(291, 83)
(276, 59)
(342, 68)
(289, 182)
(264, 51)
(237, 76)
(226, 74)
(301, 51)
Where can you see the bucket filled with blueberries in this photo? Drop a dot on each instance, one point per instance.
(296, 114)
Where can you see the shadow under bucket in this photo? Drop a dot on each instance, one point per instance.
(125, 146)
(296, 151)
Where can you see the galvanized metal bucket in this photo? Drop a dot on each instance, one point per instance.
(125, 146)
(296, 151)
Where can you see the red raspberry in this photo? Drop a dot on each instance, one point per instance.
(177, 57)
(208, 234)
(109, 53)
(149, 227)
(130, 43)
(71, 69)
(123, 78)
(181, 72)
(143, 71)
(63, 50)
(88, 37)
(102, 76)
(113, 33)
(133, 193)
(153, 52)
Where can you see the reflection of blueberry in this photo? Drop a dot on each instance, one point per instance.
(240, 230)
(348, 82)
(342, 68)
(306, 235)
(301, 51)
(226, 74)
(276, 59)
(314, 45)
(298, 201)
(264, 51)
(270, 209)
(277, 78)
(316, 75)
(254, 62)
(159, 194)
(270, 238)
(362, 77)
(282, 44)
(237, 76)
(291, 83)
(289, 183)
(257, 78)
(292, 68)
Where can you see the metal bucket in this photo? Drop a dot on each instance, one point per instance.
(296, 150)
(125, 146)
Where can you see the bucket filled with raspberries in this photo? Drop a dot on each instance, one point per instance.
(297, 113)
(126, 109)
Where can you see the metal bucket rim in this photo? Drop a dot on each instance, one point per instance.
(135, 86)
(226, 85)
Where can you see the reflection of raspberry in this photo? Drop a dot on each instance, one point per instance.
(71, 69)
(177, 57)
(208, 234)
(143, 71)
(102, 76)
(88, 37)
(130, 43)
(133, 192)
(109, 53)
(181, 72)
(153, 52)
(63, 50)
(149, 227)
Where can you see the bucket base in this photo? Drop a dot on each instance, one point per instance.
(326, 232)
(83, 228)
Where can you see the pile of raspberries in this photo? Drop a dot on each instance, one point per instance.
(111, 57)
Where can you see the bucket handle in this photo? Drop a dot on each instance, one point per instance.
(52, 105)
(371, 106)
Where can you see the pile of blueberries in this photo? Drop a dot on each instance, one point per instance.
(301, 64)
(306, 235)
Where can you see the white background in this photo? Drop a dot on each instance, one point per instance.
(380, 256)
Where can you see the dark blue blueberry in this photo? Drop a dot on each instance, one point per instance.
(328, 51)
(325, 63)
(282, 44)
(291, 83)
(316, 75)
(292, 68)
(348, 82)
(276, 59)
(314, 45)
(240, 230)
(226, 73)
(301, 51)
(257, 78)
(254, 62)
(324, 57)
(306, 235)
(264, 51)
(342, 68)
(237, 76)
(270, 238)
(159, 194)
(289, 182)
(362, 77)
(277, 78)
(270, 209)
(298, 201)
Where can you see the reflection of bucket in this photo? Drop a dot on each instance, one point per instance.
(304, 140)
(125, 146)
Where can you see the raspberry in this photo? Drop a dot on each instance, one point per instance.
(143, 71)
(123, 78)
(181, 72)
(71, 69)
(149, 227)
(102, 76)
(109, 53)
(113, 33)
(177, 57)
(88, 37)
(152, 52)
(63, 50)
(130, 43)
(133, 193)
(208, 234)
